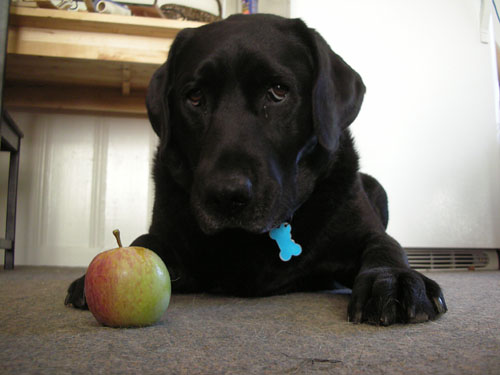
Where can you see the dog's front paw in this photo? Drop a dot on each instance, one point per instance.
(76, 294)
(385, 296)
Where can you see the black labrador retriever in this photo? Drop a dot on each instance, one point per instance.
(252, 114)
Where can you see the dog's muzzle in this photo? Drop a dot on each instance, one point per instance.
(228, 196)
(233, 201)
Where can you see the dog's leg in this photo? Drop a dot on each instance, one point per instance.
(76, 295)
(388, 291)
(182, 282)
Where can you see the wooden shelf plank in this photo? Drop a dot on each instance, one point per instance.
(75, 99)
(25, 69)
(87, 45)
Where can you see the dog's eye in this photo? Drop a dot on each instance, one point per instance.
(195, 97)
(277, 93)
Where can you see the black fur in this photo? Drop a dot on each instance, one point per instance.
(253, 114)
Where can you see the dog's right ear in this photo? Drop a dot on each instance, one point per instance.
(156, 100)
(160, 87)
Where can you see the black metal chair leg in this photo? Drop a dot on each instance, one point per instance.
(10, 136)
(10, 230)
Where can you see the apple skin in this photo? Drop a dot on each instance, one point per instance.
(127, 287)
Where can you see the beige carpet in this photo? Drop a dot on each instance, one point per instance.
(200, 334)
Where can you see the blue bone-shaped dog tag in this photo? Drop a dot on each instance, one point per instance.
(283, 237)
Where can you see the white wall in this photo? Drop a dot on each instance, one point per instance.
(428, 126)
(81, 177)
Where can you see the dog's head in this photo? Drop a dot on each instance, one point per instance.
(249, 111)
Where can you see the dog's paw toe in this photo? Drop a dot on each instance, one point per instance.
(385, 296)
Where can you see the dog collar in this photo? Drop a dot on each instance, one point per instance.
(283, 237)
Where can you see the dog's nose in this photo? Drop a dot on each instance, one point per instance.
(231, 194)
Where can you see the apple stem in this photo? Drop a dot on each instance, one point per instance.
(116, 233)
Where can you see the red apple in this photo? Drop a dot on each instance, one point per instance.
(127, 286)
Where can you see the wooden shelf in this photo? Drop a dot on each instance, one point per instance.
(54, 57)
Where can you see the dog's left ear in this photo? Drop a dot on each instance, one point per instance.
(160, 87)
(337, 93)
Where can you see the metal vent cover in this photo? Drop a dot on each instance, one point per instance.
(451, 259)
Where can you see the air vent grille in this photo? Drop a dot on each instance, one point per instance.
(448, 259)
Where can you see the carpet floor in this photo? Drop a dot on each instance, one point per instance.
(303, 333)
